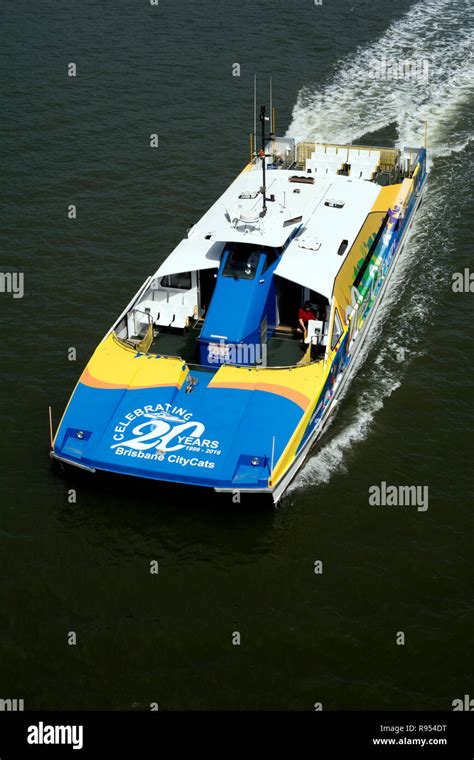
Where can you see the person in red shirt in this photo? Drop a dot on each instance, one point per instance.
(305, 313)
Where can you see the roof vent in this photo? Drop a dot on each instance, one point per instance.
(333, 203)
(303, 180)
(294, 220)
(249, 217)
(309, 244)
(237, 216)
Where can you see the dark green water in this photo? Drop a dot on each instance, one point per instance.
(84, 567)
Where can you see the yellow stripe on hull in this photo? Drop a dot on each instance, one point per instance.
(114, 365)
(296, 384)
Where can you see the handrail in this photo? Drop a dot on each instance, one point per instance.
(205, 367)
(128, 307)
(146, 313)
(281, 366)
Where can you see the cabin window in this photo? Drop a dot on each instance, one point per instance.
(352, 318)
(242, 262)
(342, 248)
(336, 330)
(181, 281)
(270, 258)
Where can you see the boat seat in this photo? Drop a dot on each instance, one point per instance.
(149, 306)
(175, 298)
(318, 151)
(352, 155)
(169, 309)
(364, 165)
(166, 315)
(190, 302)
(334, 166)
(181, 317)
(159, 295)
(314, 330)
(174, 316)
(322, 165)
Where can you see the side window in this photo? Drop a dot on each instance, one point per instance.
(180, 281)
(336, 330)
(353, 322)
(270, 258)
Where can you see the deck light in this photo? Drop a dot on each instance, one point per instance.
(255, 461)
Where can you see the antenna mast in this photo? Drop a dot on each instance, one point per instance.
(263, 119)
(255, 111)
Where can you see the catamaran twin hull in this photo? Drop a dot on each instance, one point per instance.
(204, 379)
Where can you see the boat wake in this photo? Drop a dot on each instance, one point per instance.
(436, 36)
(392, 346)
(438, 32)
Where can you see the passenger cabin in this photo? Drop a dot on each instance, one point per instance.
(231, 290)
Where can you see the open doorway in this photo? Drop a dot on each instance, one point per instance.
(319, 303)
(207, 283)
(289, 300)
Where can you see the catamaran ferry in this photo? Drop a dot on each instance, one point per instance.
(225, 367)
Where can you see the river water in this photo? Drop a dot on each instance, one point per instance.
(84, 567)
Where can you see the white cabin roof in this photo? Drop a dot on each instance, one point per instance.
(234, 218)
(191, 254)
(311, 258)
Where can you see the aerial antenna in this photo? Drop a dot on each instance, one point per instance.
(271, 104)
(263, 118)
(255, 111)
(272, 119)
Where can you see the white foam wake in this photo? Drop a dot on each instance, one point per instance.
(382, 365)
(440, 32)
(437, 33)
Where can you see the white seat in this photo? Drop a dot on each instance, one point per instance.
(160, 295)
(181, 317)
(190, 302)
(166, 315)
(318, 151)
(325, 165)
(150, 307)
(175, 298)
(334, 166)
(365, 166)
(168, 308)
(314, 330)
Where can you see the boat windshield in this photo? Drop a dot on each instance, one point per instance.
(242, 261)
